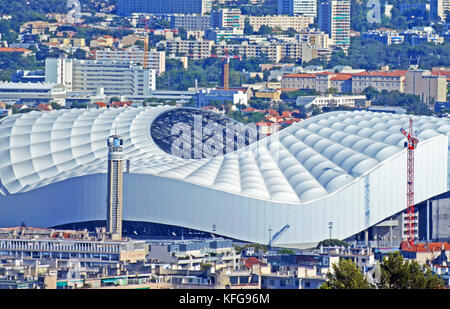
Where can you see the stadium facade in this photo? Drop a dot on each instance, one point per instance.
(348, 168)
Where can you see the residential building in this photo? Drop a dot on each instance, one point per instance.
(267, 128)
(439, 8)
(282, 22)
(380, 80)
(267, 94)
(227, 19)
(32, 94)
(127, 7)
(332, 101)
(385, 37)
(274, 51)
(37, 27)
(334, 19)
(218, 35)
(414, 6)
(189, 22)
(425, 252)
(314, 38)
(352, 82)
(431, 88)
(297, 7)
(156, 59)
(426, 38)
(103, 41)
(340, 82)
(72, 42)
(24, 51)
(298, 81)
(194, 49)
(38, 244)
(115, 78)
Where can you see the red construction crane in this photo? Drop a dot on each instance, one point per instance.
(225, 67)
(411, 144)
(145, 45)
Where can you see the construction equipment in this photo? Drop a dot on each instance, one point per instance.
(411, 144)
(145, 65)
(225, 67)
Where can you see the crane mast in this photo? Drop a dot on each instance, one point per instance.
(411, 144)
(146, 45)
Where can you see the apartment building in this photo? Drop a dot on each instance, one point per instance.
(341, 82)
(227, 18)
(298, 81)
(427, 38)
(297, 7)
(115, 78)
(35, 244)
(190, 22)
(334, 19)
(199, 49)
(156, 59)
(314, 38)
(73, 42)
(127, 7)
(439, 9)
(283, 22)
(347, 82)
(430, 87)
(380, 80)
(385, 37)
(218, 35)
(272, 51)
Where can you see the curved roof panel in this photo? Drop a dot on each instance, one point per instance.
(307, 161)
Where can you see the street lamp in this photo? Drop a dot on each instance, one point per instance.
(330, 226)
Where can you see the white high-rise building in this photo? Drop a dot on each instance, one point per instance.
(115, 78)
(297, 7)
(334, 19)
(439, 9)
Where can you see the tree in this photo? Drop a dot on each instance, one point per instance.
(248, 28)
(332, 90)
(55, 106)
(346, 275)
(79, 54)
(265, 30)
(286, 251)
(332, 242)
(398, 273)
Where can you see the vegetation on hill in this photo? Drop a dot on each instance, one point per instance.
(207, 72)
(371, 54)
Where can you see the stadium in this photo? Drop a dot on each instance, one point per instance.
(344, 168)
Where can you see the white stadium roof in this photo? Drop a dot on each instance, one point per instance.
(309, 162)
